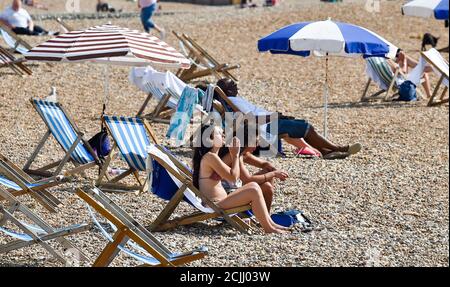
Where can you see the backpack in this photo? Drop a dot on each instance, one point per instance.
(407, 92)
(101, 144)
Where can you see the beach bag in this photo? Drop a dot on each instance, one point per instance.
(101, 144)
(291, 217)
(407, 92)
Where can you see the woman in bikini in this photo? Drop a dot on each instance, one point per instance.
(210, 170)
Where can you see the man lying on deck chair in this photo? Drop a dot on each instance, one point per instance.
(296, 131)
(20, 22)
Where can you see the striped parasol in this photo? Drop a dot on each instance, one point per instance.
(109, 44)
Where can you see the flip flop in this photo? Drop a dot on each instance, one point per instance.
(307, 151)
(336, 155)
(354, 148)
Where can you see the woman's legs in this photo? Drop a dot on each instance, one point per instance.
(146, 19)
(251, 194)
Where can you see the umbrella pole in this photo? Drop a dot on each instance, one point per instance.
(325, 114)
(106, 87)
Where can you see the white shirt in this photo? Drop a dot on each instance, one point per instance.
(146, 3)
(16, 18)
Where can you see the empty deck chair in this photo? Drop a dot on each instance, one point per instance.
(142, 245)
(15, 42)
(63, 129)
(203, 64)
(440, 67)
(16, 65)
(35, 231)
(380, 72)
(131, 137)
(17, 182)
(182, 188)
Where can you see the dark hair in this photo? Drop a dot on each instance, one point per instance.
(199, 153)
(224, 85)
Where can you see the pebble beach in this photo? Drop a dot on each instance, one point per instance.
(386, 206)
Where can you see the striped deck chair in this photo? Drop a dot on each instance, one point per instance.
(16, 65)
(203, 64)
(380, 72)
(131, 137)
(63, 129)
(440, 67)
(176, 180)
(17, 182)
(130, 237)
(35, 230)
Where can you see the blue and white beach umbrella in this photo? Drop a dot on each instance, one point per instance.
(437, 9)
(326, 38)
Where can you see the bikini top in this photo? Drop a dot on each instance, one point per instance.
(214, 176)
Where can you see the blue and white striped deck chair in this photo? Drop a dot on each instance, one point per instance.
(29, 229)
(175, 184)
(131, 137)
(17, 182)
(379, 71)
(130, 237)
(63, 129)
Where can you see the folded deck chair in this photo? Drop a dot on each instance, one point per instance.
(203, 64)
(15, 42)
(17, 182)
(131, 237)
(35, 231)
(131, 137)
(16, 65)
(440, 67)
(63, 129)
(179, 187)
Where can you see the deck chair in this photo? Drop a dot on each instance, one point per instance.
(16, 65)
(380, 72)
(130, 137)
(38, 232)
(180, 176)
(66, 27)
(17, 182)
(142, 245)
(15, 42)
(77, 150)
(440, 66)
(203, 64)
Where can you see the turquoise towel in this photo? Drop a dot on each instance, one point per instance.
(184, 113)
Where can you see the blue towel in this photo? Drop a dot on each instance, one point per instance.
(183, 115)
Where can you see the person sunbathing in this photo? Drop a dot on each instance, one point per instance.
(20, 22)
(267, 174)
(405, 62)
(210, 170)
(297, 132)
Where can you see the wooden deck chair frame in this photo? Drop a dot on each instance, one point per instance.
(23, 180)
(113, 185)
(7, 214)
(441, 100)
(129, 229)
(59, 165)
(64, 25)
(391, 92)
(199, 55)
(163, 222)
(17, 65)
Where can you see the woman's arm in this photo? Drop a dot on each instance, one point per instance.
(223, 170)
